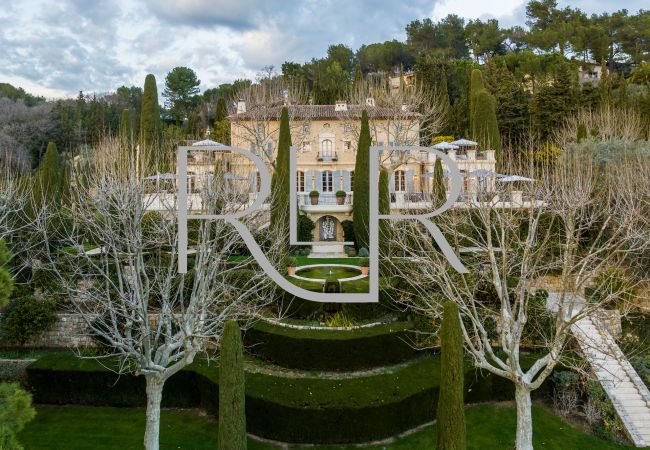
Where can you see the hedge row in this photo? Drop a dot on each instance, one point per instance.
(304, 408)
(332, 350)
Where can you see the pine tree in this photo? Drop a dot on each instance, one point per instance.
(475, 86)
(150, 126)
(485, 128)
(552, 103)
(281, 179)
(384, 208)
(232, 390)
(450, 420)
(360, 209)
(439, 194)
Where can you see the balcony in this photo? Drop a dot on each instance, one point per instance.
(327, 156)
(327, 202)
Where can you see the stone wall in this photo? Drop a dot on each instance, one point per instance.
(69, 330)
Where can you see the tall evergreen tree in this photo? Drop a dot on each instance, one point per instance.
(126, 128)
(450, 419)
(485, 129)
(360, 208)
(475, 86)
(281, 179)
(553, 102)
(150, 126)
(622, 93)
(439, 193)
(384, 208)
(221, 130)
(6, 281)
(232, 390)
(48, 183)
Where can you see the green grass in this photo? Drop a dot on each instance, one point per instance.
(324, 272)
(72, 428)
(305, 261)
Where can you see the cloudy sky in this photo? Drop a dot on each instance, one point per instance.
(57, 48)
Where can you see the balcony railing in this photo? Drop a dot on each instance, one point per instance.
(325, 198)
(328, 156)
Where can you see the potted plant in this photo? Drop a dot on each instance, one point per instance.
(340, 197)
(313, 196)
(364, 263)
(290, 262)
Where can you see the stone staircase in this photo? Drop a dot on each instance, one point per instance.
(620, 381)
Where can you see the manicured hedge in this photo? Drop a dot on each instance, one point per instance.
(286, 406)
(332, 350)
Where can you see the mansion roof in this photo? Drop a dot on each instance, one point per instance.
(315, 112)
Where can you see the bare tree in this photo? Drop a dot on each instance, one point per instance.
(259, 125)
(408, 116)
(153, 320)
(578, 220)
(605, 123)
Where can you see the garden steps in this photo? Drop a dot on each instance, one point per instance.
(620, 381)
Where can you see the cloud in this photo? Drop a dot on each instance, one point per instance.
(71, 45)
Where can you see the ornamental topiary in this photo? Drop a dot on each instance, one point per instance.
(232, 392)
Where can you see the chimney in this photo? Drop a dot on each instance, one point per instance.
(370, 102)
(340, 105)
(241, 106)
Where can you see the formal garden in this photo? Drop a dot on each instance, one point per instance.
(151, 297)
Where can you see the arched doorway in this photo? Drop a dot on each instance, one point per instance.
(327, 228)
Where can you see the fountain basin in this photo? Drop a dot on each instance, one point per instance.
(319, 272)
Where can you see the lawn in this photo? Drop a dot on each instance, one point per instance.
(74, 427)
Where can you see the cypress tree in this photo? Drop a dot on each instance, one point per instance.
(221, 131)
(6, 281)
(49, 178)
(232, 390)
(150, 127)
(384, 208)
(439, 194)
(485, 129)
(360, 207)
(126, 129)
(450, 420)
(280, 181)
(358, 76)
(475, 86)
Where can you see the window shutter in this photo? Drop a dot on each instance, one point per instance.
(409, 181)
(346, 180)
(308, 183)
(336, 183)
(318, 181)
(391, 183)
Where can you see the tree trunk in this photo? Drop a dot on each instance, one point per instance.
(524, 419)
(155, 385)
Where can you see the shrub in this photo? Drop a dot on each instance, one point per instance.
(232, 392)
(15, 411)
(340, 319)
(341, 193)
(314, 194)
(611, 424)
(451, 409)
(290, 261)
(348, 231)
(363, 252)
(364, 262)
(25, 319)
(305, 228)
(566, 392)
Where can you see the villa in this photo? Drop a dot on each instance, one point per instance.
(325, 139)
